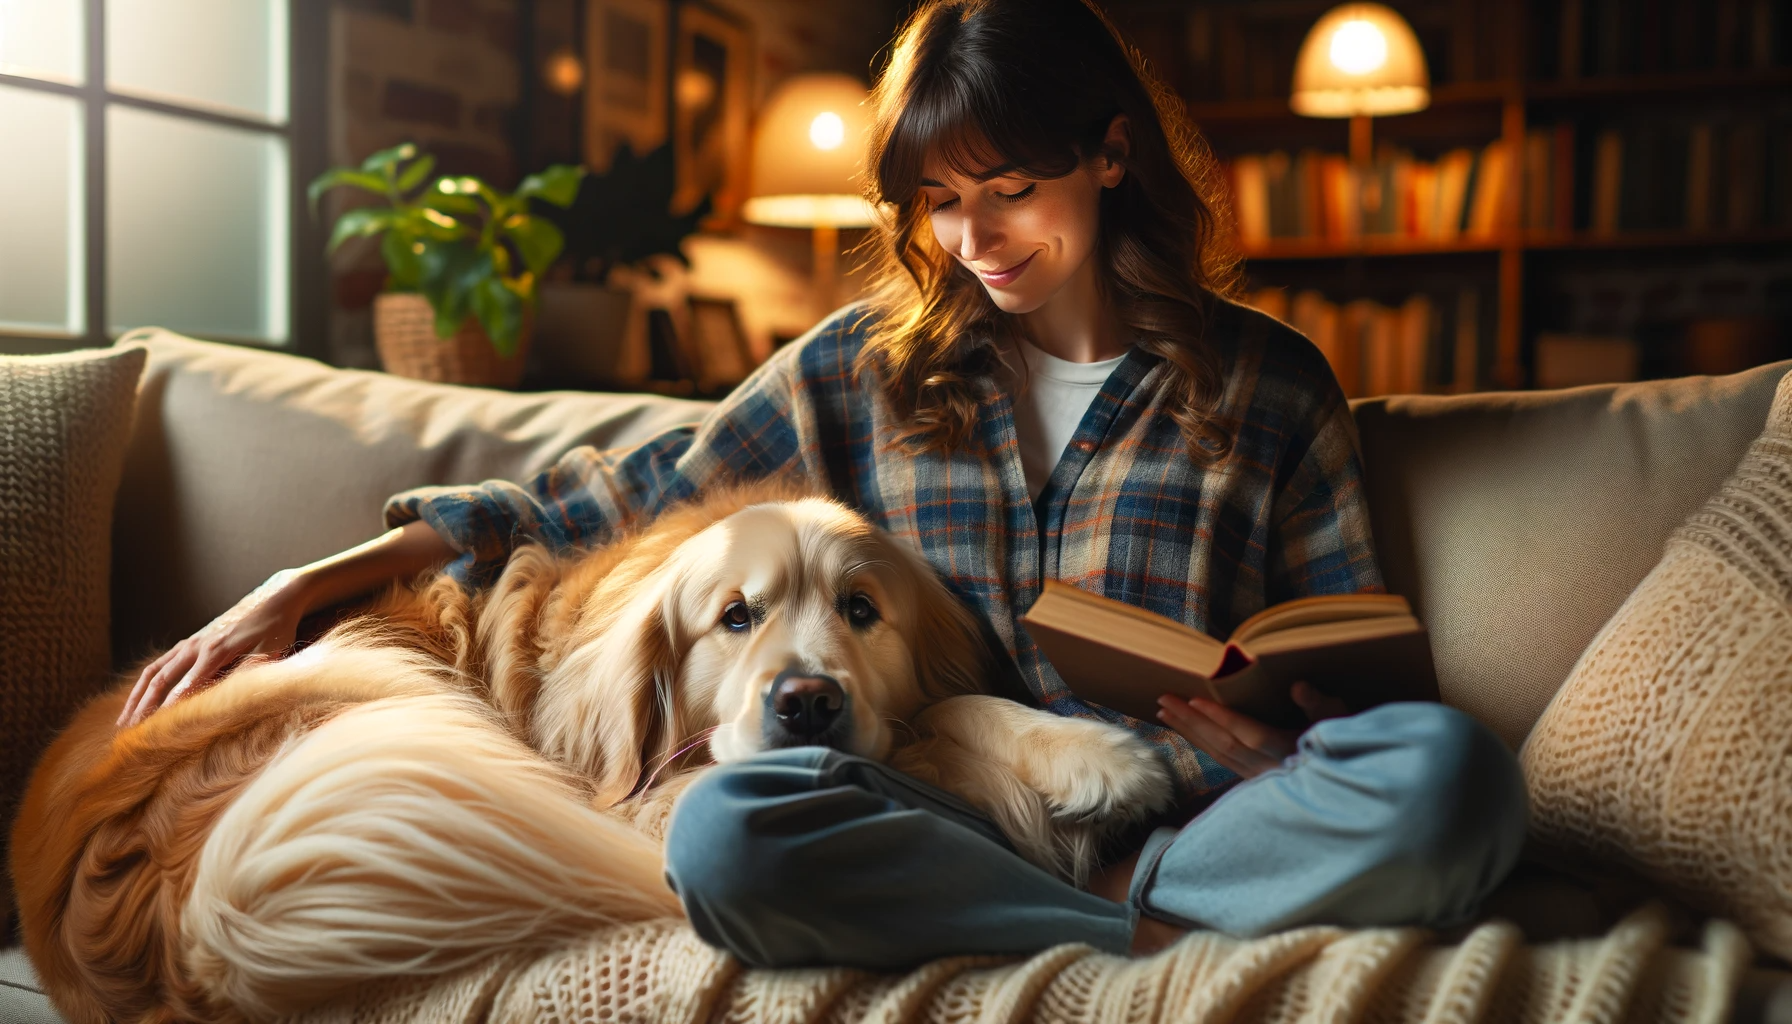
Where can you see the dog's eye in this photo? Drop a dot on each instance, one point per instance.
(860, 611)
(736, 617)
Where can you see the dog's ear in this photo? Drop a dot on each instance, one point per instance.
(602, 709)
(947, 647)
(510, 628)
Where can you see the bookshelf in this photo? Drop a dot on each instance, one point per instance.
(1645, 73)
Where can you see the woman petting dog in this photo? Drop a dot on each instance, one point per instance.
(1048, 382)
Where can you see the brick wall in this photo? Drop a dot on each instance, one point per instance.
(440, 73)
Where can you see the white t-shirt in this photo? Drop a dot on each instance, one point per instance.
(1051, 396)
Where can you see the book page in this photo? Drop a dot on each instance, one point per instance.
(1325, 634)
(1308, 611)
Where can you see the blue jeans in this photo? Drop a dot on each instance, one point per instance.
(1404, 814)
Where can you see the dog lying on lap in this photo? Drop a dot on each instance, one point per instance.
(511, 758)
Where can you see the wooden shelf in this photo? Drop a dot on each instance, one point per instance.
(1321, 249)
(1659, 240)
(1633, 87)
(1275, 108)
(1458, 94)
(1504, 108)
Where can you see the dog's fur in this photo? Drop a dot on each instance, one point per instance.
(378, 804)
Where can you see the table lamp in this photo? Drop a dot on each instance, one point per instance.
(1359, 61)
(808, 152)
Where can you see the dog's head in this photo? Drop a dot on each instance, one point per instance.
(779, 624)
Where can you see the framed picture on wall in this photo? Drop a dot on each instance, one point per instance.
(626, 89)
(719, 343)
(712, 96)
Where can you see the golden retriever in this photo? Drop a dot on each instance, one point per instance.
(455, 775)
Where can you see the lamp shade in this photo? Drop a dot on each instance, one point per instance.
(1360, 60)
(808, 153)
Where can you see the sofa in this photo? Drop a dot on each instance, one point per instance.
(1516, 523)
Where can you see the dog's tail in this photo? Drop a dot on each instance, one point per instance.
(411, 835)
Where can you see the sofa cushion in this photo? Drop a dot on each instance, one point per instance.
(244, 462)
(22, 999)
(64, 421)
(1517, 522)
(1669, 748)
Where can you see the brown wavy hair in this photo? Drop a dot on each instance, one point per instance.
(1036, 83)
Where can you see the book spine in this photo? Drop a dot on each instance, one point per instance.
(1698, 177)
(1467, 356)
(1745, 178)
(1608, 169)
(1537, 192)
(1569, 41)
(1250, 201)
(1562, 178)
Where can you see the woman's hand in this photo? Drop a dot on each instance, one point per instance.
(264, 622)
(1240, 742)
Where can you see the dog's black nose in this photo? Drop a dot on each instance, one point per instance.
(806, 705)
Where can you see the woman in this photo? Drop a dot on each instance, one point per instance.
(1047, 384)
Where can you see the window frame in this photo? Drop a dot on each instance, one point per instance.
(303, 130)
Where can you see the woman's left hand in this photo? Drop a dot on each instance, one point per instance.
(1240, 742)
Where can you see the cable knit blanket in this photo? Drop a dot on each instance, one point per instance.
(660, 973)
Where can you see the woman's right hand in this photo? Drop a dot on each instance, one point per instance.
(266, 621)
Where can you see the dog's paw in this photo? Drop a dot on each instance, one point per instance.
(1095, 772)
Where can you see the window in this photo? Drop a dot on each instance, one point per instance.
(156, 152)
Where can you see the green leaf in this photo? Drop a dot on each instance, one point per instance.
(385, 158)
(450, 273)
(439, 225)
(558, 184)
(403, 253)
(537, 240)
(451, 202)
(343, 176)
(466, 187)
(359, 222)
(500, 312)
(414, 174)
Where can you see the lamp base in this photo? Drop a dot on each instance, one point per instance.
(825, 254)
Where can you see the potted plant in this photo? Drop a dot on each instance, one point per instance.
(618, 221)
(462, 262)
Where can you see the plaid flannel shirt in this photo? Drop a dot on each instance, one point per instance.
(1126, 512)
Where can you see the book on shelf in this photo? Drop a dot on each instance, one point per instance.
(1465, 358)
(1718, 174)
(1372, 349)
(1663, 175)
(1604, 38)
(1364, 649)
(1314, 196)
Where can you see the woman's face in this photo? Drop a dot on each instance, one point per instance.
(1023, 237)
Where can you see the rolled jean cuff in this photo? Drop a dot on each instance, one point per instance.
(1146, 870)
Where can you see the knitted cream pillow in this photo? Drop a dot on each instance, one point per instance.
(64, 424)
(1669, 748)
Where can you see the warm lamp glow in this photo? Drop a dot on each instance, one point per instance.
(808, 153)
(1358, 47)
(564, 73)
(807, 211)
(1360, 60)
(827, 131)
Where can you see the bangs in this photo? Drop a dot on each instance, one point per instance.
(973, 131)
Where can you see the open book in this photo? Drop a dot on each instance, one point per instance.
(1365, 649)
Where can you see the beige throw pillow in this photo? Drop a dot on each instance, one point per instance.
(1669, 748)
(64, 424)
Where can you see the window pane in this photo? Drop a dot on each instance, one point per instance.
(41, 38)
(225, 54)
(196, 228)
(41, 275)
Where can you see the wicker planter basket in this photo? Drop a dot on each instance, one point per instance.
(404, 329)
